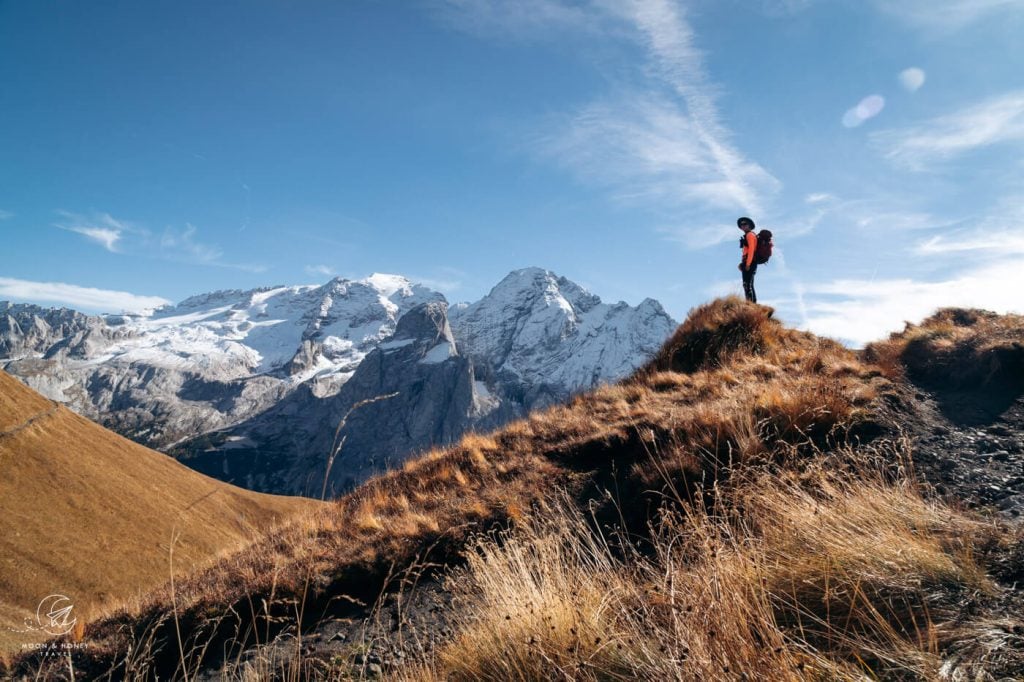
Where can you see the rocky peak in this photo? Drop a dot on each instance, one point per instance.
(544, 331)
(27, 329)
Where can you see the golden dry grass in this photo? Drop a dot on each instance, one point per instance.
(819, 577)
(957, 347)
(89, 514)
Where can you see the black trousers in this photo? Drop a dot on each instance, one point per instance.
(748, 283)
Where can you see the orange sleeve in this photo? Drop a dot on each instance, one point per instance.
(751, 247)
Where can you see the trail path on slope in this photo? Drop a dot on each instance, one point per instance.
(31, 420)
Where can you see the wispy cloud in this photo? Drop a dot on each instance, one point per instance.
(83, 298)
(123, 237)
(998, 235)
(447, 280)
(520, 20)
(977, 260)
(859, 311)
(946, 15)
(725, 174)
(659, 138)
(184, 246)
(975, 242)
(5, 215)
(183, 243)
(101, 228)
(646, 149)
(319, 271)
(996, 120)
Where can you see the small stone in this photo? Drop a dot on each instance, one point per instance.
(374, 670)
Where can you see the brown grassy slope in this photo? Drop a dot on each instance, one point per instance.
(755, 390)
(957, 347)
(89, 514)
(817, 575)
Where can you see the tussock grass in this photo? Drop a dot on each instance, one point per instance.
(717, 332)
(785, 576)
(962, 348)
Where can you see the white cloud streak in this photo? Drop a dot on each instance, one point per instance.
(724, 174)
(5, 215)
(521, 20)
(120, 236)
(101, 228)
(660, 140)
(994, 121)
(183, 246)
(981, 267)
(83, 298)
(946, 15)
(319, 271)
(860, 311)
(650, 151)
(975, 242)
(184, 243)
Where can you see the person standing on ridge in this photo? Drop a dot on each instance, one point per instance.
(748, 265)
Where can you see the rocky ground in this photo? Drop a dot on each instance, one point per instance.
(970, 449)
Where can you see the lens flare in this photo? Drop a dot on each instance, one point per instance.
(869, 107)
(911, 79)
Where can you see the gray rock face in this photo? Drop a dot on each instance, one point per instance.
(30, 329)
(250, 386)
(412, 392)
(543, 337)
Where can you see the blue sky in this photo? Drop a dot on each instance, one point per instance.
(152, 150)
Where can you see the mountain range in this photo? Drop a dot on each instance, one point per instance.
(312, 389)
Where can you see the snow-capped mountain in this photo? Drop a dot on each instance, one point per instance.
(243, 384)
(208, 362)
(554, 337)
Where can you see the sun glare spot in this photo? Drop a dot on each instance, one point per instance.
(867, 108)
(912, 79)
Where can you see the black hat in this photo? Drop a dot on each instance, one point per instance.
(745, 221)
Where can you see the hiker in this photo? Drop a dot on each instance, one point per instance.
(748, 265)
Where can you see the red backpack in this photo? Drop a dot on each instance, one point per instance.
(764, 247)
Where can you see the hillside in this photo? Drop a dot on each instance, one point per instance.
(93, 516)
(754, 503)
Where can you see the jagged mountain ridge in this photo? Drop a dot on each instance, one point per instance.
(538, 328)
(216, 378)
